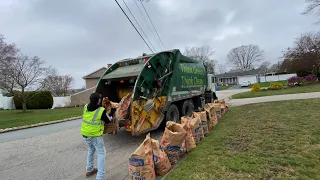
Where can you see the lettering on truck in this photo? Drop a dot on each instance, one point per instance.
(191, 79)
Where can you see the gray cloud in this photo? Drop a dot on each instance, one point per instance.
(79, 36)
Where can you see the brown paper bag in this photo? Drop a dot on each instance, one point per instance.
(203, 121)
(123, 110)
(189, 142)
(217, 108)
(172, 140)
(141, 164)
(211, 115)
(194, 123)
(160, 158)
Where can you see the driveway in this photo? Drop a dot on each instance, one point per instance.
(226, 94)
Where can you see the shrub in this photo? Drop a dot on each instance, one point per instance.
(38, 100)
(276, 86)
(255, 88)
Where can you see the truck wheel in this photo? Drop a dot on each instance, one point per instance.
(173, 114)
(215, 96)
(209, 97)
(187, 108)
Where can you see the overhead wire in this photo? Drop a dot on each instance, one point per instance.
(152, 24)
(146, 22)
(134, 26)
(139, 25)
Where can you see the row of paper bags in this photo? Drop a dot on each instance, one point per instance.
(152, 158)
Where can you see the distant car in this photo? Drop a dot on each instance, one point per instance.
(245, 83)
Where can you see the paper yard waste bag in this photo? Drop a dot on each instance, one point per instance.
(123, 110)
(189, 143)
(203, 121)
(194, 123)
(160, 158)
(211, 115)
(172, 140)
(141, 164)
(217, 108)
(224, 106)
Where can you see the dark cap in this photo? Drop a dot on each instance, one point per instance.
(94, 97)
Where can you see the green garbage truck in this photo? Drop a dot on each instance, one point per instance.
(164, 87)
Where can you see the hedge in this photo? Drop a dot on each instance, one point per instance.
(38, 100)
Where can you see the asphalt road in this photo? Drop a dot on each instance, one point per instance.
(55, 152)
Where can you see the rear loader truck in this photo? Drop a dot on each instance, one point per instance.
(165, 86)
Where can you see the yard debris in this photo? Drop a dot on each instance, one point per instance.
(123, 110)
(161, 160)
(172, 140)
(177, 140)
(141, 163)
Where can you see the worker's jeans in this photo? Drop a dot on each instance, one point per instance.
(96, 144)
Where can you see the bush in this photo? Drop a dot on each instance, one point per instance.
(276, 86)
(255, 88)
(38, 100)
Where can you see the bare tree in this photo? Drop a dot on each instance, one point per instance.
(58, 85)
(244, 57)
(313, 7)
(264, 67)
(221, 68)
(304, 55)
(203, 54)
(29, 73)
(8, 53)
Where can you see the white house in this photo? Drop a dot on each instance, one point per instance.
(254, 76)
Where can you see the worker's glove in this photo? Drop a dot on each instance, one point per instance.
(110, 117)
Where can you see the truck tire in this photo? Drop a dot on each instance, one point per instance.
(209, 97)
(173, 114)
(214, 96)
(187, 108)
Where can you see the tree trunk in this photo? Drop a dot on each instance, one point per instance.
(24, 101)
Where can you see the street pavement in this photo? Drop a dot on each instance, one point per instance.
(57, 151)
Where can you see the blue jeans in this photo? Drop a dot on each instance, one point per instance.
(96, 144)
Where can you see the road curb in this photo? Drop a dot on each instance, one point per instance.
(38, 124)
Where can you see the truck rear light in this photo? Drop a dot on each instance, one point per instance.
(146, 59)
(121, 81)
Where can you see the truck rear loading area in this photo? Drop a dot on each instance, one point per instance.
(164, 86)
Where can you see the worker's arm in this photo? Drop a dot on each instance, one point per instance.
(104, 117)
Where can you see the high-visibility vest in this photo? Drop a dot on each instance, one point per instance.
(92, 125)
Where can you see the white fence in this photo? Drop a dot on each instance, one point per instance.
(281, 77)
(7, 102)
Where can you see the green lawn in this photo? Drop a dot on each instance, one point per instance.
(267, 84)
(289, 90)
(224, 87)
(13, 118)
(277, 140)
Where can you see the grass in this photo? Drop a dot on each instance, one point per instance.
(224, 87)
(289, 90)
(14, 118)
(267, 84)
(276, 140)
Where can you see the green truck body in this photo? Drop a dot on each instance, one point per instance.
(165, 86)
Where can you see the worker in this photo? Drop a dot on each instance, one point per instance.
(94, 117)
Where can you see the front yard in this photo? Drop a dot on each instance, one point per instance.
(276, 140)
(14, 118)
(267, 84)
(289, 90)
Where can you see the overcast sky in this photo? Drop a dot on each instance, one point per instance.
(80, 36)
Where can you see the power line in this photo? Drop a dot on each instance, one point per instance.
(146, 22)
(139, 25)
(133, 26)
(152, 23)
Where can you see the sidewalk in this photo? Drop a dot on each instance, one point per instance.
(239, 102)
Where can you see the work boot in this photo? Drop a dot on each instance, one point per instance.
(95, 170)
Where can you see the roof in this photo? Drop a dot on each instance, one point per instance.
(89, 75)
(242, 73)
(126, 71)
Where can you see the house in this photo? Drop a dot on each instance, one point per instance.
(91, 81)
(237, 76)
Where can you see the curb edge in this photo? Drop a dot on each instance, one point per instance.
(38, 125)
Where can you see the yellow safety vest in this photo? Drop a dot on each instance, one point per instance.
(92, 125)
